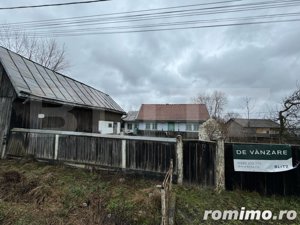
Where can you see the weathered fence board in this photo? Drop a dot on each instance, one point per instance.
(197, 159)
(284, 183)
(140, 154)
(170, 134)
(91, 150)
(39, 145)
(199, 162)
(150, 155)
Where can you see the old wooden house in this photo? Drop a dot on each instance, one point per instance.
(35, 97)
(252, 129)
(130, 123)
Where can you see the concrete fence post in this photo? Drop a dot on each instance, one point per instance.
(179, 161)
(123, 154)
(56, 147)
(220, 165)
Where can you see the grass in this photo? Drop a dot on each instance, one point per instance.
(193, 201)
(46, 194)
(62, 195)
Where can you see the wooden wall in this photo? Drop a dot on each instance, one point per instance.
(6, 88)
(58, 117)
(7, 95)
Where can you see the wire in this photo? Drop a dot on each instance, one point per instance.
(178, 23)
(169, 29)
(51, 5)
(91, 24)
(175, 14)
(129, 12)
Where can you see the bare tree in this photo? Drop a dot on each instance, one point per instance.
(214, 102)
(248, 104)
(47, 52)
(230, 115)
(289, 115)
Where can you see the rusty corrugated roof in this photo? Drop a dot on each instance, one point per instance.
(32, 79)
(173, 112)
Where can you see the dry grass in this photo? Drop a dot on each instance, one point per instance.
(35, 193)
(40, 194)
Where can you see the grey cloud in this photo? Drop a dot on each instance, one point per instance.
(262, 61)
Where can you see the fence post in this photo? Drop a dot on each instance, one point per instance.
(56, 147)
(220, 165)
(179, 155)
(123, 154)
(4, 147)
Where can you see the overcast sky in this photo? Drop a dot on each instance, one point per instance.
(257, 61)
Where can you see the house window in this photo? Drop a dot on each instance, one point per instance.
(196, 126)
(148, 126)
(110, 125)
(171, 126)
(189, 127)
(154, 126)
(129, 126)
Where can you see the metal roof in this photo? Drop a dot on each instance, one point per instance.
(131, 116)
(173, 112)
(32, 79)
(256, 123)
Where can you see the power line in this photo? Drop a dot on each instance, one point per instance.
(94, 24)
(164, 15)
(177, 23)
(51, 5)
(169, 29)
(128, 12)
(264, 4)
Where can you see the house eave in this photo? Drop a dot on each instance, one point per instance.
(24, 95)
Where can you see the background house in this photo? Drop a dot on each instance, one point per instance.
(34, 97)
(252, 129)
(171, 119)
(130, 123)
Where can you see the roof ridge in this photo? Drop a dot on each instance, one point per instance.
(103, 99)
(251, 119)
(173, 104)
(59, 73)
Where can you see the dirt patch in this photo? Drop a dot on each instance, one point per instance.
(16, 187)
(12, 177)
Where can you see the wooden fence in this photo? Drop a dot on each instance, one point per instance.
(199, 162)
(168, 134)
(118, 152)
(167, 198)
(193, 161)
(283, 183)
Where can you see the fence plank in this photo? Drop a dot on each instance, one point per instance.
(199, 162)
(148, 155)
